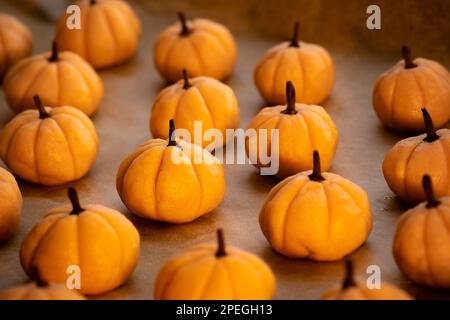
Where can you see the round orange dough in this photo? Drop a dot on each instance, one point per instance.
(315, 215)
(410, 159)
(408, 86)
(173, 181)
(40, 290)
(100, 241)
(308, 66)
(201, 101)
(59, 78)
(352, 289)
(301, 130)
(213, 272)
(49, 146)
(16, 42)
(421, 244)
(10, 205)
(109, 32)
(202, 46)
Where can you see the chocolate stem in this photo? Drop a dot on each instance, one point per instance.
(187, 84)
(429, 127)
(184, 28)
(348, 280)
(428, 188)
(36, 276)
(290, 98)
(54, 56)
(172, 141)
(93, 2)
(42, 112)
(316, 173)
(406, 53)
(220, 244)
(73, 196)
(294, 40)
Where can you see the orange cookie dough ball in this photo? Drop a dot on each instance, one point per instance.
(101, 241)
(49, 146)
(402, 91)
(309, 67)
(215, 272)
(316, 215)
(108, 35)
(201, 100)
(10, 205)
(202, 46)
(16, 42)
(59, 78)
(421, 244)
(411, 158)
(301, 129)
(172, 181)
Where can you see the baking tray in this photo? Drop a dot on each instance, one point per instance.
(360, 56)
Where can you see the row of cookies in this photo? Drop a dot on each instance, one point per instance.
(291, 108)
(130, 188)
(290, 166)
(414, 96)
(63, 146)
(52, 141)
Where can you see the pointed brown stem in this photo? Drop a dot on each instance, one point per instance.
(172, 141)
(187, 84)
(220, 244)
(42, 112)
(316, 174)
(428, 188)
(54, 56)
(406, 53)
(429, 127)
(73, 196)
(348, 279)
(184, 28)
(290, 98)
(93, 2)
(294, 40)
(36, 276)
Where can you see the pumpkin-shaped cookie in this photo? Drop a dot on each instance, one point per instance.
(101, 241)
(308, 66)
(49, 146)
(302, 129)
(411, 158)
(59, 78)
(10, 205)
(403, 90)
(200, 101)
(353, 289)
(172, 181)
(215, 272)
(16, 42)
(315, 215)
(40, 290)
(421, 244)
(202, 46)
(108, 35)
